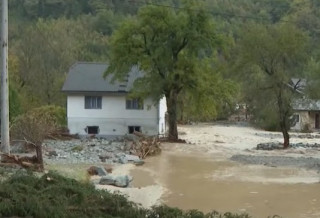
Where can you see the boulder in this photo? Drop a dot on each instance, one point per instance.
(119, 181)
(122, 181)
(107, 180)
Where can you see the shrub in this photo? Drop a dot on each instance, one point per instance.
(37, 124)
(50, 196)
(266, 118)
(55, 196)
(55, 114)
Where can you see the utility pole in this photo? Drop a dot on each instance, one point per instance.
(5, 138)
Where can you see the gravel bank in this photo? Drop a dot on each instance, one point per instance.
(275, 161)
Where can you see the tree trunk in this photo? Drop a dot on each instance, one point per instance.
(172, 115)
(286, 137)
(39, 156)
(283, 115)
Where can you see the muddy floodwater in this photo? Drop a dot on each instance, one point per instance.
(205, 183)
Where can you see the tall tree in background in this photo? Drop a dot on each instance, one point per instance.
(312, 72)
(47, 51)
(170, 47)
(271, 56)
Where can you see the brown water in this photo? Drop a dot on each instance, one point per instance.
(201, 183)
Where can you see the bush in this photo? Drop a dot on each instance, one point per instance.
(37, 124)
(55, 196)
(54, 114)
(266, 118)
(50, 196)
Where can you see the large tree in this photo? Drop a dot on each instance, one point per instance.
(170, 46)
(270, 57)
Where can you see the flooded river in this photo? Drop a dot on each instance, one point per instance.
(205, 183)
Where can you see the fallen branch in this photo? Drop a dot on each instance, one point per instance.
(145, 146)
(24, 161)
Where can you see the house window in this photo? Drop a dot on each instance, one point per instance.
(296, 118)
(92, 129)
(92, 102)
(132, 129)
(134, 104)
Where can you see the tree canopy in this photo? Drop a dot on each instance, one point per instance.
(172, 48)
(274, 55)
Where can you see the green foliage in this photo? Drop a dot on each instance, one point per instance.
(269, 57)
(51, 113)
(26, 195)
(35, 125)
(172, 48)
(45, 53)
(312, 71)
(266, 117)
(14, 104)
(55, 196)
(211, 98)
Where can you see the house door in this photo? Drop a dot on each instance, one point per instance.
(317, 125)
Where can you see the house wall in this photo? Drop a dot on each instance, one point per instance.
(113, 119)
(162, 116)
(306, 120)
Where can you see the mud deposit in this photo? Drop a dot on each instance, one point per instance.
(194, 181)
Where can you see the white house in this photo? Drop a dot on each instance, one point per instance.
(98, 106)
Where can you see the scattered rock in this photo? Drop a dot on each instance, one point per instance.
(105, 156)
(52, 153)
(92, 151)
(123, 160)
(108, 169)
(275, 161)
(138, 162)
(119, 181)
(122, 181)
(132, 158)
(269, 146)
(275, 146)
(100, 171)
(107, 180)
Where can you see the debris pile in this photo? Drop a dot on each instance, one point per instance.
(28, 162)
(144, 146)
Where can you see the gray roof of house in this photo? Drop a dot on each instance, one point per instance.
(88, 77)
(306, 105)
